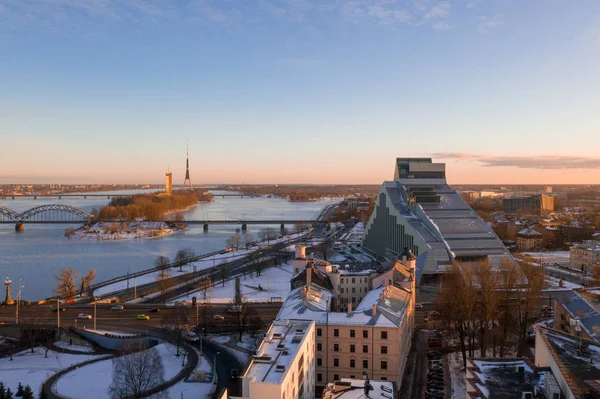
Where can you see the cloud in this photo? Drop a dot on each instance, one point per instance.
(486, 24)
(525, 162)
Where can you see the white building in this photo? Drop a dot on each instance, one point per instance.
(585, 256)
(284, 365)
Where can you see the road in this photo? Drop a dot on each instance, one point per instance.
(225, 363)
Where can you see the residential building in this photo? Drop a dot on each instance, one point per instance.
(284, 365)
(530, 205)
(353, 388)
(573, 361)
(575, 233)
(375, 335)
(585, 256)
(577, 312)
(528, 239)
(420, 211)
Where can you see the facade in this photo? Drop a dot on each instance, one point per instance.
(169, 183)
(528, 239)
(419, 211)
(375, 335)
(348, 388)
(585, 256)
(531, 205)
(349, 287)
(284, 366)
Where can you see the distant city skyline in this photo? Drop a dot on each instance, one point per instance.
(299, 91)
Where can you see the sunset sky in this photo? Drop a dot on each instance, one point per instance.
(298, 91)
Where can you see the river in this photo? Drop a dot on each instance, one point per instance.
(35, 255)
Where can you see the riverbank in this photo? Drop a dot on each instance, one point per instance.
(120, 231)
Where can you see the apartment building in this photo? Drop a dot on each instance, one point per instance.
(528, 239)
(284, 365)
(533, 204)
(374, 336)
(585, 256)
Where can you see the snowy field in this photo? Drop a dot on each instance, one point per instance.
(277, 278)
(100, 231)
(74, 348)
(243, 357)
(92, 381)
(554, 283)
(204, 263)
(33, 368)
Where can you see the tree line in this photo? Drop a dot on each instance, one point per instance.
(487, 310)
(149, 206)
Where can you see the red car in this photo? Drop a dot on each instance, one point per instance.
(434, 342)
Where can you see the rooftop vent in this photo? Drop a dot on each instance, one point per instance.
(386, 388)
(299, 331)
(277, 335)
(285, 353)
(280, 347)
(297, 339)
(280, 368)
(386, 395)
(262, 359)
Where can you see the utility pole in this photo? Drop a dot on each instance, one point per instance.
(58, 314)
(197, 313)
(94, 316)
(18, 303)
(134, 292)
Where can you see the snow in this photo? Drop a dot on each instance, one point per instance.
(120, 334)
(484, 390)
(92, 381)
(99, 232)
(33, 368)
(457, 375)
(223, 339)
(554, 282)
(75, 348)
(189, 390)
(249, 343)
(276, 277)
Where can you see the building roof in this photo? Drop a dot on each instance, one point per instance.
(351, 388)
(582, 309)
(502, 377)
(272, 362)
(530, 232)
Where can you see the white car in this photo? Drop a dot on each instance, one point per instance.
(419, 306)
(84, 316)
(118, 307)
(190, 336)
(218, 317)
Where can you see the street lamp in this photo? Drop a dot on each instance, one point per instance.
(215, 363)
(183, 359)
(18, 302)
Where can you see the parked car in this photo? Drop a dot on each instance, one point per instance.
(154, 310)
(218, 317)
(57, 309)
(84, 316)
(190, 336)
(419, 306)
(117, 307)
(143, 317)
(434, 343)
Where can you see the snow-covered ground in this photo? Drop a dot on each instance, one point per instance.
(33, 368)
(92, 381)
(119, 333)
(75, 348)
(243, 357)
(101, 231)
(457, 375)
(277, 278)
(549, 257)
(554, 283)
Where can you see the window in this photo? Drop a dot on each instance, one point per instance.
(352, 363)
(384, 335)
(341, 290)
(384, 364)
(352, 348)
(336, 347)
(319, 377)
(336, 332)
(384, 350)
(319, 347)
(353, 300)
(352, 333)
(352, 376)
(336, 363)
(383, 378)
(365, 364)
(336, 377)
(353, 280)
(319, 361)
(342, 280)
(365, 333)
(319, 332)
(353, 290)
(365, 348)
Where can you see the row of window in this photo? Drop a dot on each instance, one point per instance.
(360, 289)
(365, 363)
(360, 280)
(336, 377)
(365, 333)
(365, 348)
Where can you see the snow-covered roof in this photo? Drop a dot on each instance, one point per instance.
(290, 335)
(350, 388)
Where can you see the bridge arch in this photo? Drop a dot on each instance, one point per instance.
(47, 213)
(8, 215)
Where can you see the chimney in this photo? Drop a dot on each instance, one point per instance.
(301, 251)
(349, 308)
(308, 276)
(374, 310)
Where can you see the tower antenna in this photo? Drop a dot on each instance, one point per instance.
(187, 182)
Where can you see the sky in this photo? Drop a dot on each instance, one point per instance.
(298, 91)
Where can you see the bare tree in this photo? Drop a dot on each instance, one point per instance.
(248, 240)
(325, 248)
(487, 297)
(66, 282)
(87, 279)
(234, 241)
(300, 227)
(162, 262)
(163, 281)
(184, 256)
(255, 263)
(135, 373)
(224, 273)
(241, 314)
(529, 297)
(176, 321)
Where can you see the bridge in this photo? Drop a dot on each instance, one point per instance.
(92, 195)
(67, 214)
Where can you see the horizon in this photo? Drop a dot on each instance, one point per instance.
(299, 92)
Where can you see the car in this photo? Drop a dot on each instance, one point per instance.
(218, 317)
(154, 310)
(434, 392)
(190, 336)
(419, 306)
(434, 355)
(57, 309)
(143, 317)
(234, 374)
(84, 316)
(117, 307)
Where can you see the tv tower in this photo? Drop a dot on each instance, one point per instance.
(187, 182)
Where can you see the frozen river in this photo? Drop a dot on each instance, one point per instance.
(39, 252)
